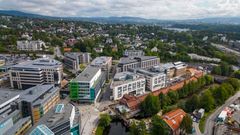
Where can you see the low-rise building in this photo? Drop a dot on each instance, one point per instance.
(38, 100)
(2, 62)
(26, 45)
(203, 58)
(73, 60)
(133, 53)
(173, 120)
(154, 49)
(32, 73)
(98, 49)
(62, 119)
(144, 62)
(127, 83)
(86, 87)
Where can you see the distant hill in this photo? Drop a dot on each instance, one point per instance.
(19, 13)
(130, 20)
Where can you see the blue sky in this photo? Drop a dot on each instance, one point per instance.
(157, 9)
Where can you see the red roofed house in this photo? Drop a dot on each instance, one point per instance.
(130, 101)
(174, 119)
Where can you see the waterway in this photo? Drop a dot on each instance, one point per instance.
(116, 128)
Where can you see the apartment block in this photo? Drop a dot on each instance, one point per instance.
(38, 100)
(72, 60)
(155, 79)
(63, 119)
(144, 62)
(32, 73)
(133, 53)
(26, 45)
(127, 83)
(11, 120)
(105, 63)
(86, 87)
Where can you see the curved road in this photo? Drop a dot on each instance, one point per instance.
(210, 120)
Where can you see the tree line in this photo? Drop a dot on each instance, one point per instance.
(153, 104)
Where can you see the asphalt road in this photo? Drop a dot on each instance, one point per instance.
(210, 120)
(197, 130)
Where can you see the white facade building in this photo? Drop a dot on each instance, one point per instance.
(155, 78)
(127, 83)
(30, 45)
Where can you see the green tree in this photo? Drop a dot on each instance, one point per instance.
(159, 126)
(237, 74)
(209, 79)
(134, 129)
(192, 103)
(138, 129)
(207, 101)
(173, 95)
(150, 106)
(235, 83)
(217, 70)
(142, 128)
(104, 120)
(164, 100)
(186, 124)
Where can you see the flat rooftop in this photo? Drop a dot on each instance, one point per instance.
(87, 74)
(128, 60)
(100, 61)
(33, 94)
(6, 95)
(18, 125)
(72, 55)
(56, 116)
(125, 77)
(150, 72)
(39, 63)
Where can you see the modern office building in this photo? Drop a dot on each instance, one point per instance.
(26, 45)
(105, 63)
(144, 62)
(86, 87)
(155, 79)
(127, 83)
(63, 119)
(38, 100)
(40, 71)
(72, 60)
(11, 121)
(133, 53)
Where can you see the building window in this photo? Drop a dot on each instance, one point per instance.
(134, 86)
(138, 84)
(155, 81)
(124, 88)
(129, 87)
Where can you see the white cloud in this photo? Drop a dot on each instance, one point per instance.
(158, 9)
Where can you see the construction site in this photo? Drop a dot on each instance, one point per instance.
(228, 121)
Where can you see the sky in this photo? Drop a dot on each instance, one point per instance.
(150, 9)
